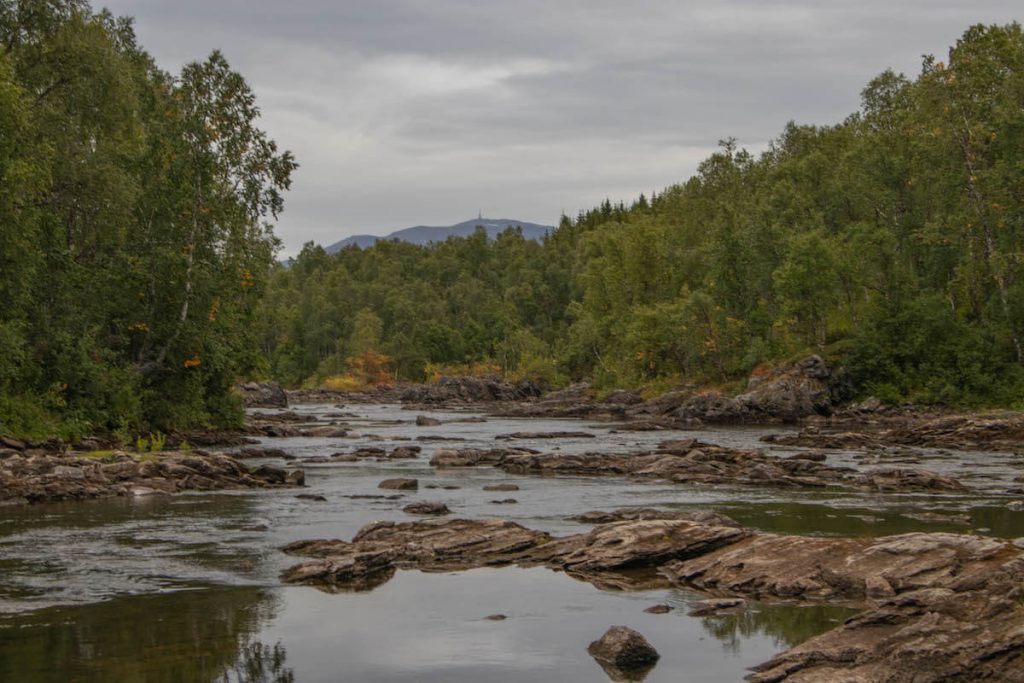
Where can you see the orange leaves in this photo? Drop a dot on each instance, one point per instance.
(247, 278)
(192, 362)
(138, 327)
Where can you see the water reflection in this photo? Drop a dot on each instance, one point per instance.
(200, 635)
(259, 663)
(786, 625)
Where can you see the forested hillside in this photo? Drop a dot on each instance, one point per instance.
(890, 242)
(133, 234)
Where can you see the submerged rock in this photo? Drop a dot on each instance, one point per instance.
(501, 487)
(426, 508)
(659, 609)
(544, 435)
(708, 607)
(400, 484)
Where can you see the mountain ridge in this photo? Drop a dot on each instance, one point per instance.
(425, 234)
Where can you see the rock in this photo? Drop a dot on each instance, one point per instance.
(624, 649)
(326, 431)
(659, 609)
(272, 473)
(793, 391)
(768, 565)
(404, 452)
(1016, 505)
(263, 395)
(505, 501)
(469, 390)
(358, 572)
(264, 453)
(896, 479)
(312, 496)
(495, 617)
(692, 461)
(44, 477)
(426, 508)
(705, 608)
(471, 457)
(634, 544)
(621, 397)
(501, 487)
(12, 443)
(424, 421)
(637, 513)
(426, 545)
(1003, 432)
(545, 435)
(400, 484)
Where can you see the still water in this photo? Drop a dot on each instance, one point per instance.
(185, 588)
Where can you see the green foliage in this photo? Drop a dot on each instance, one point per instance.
(891, 242)
(134, 240)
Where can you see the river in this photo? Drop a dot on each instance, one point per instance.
(185, 588)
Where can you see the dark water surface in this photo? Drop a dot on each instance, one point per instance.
(185, 588)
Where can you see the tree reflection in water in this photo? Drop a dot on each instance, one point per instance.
(787, 625)
(259, 663)
(192, 635)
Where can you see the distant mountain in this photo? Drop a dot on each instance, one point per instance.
(425, 234)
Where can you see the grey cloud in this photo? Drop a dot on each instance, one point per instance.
(417, 111)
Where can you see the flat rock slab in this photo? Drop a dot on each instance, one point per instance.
(544, 435)
(41, 477)
(1004, 432)
(692, 461)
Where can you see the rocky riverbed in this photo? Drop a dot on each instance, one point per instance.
(797, 563)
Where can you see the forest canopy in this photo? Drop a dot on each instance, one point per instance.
(139, 279)
(134, 227)
(891, 242)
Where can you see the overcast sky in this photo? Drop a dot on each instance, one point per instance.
(405, 112)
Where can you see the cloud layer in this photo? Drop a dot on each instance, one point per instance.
(408, 111)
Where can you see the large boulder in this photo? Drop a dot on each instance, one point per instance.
(263, 395)
(624, 652)
(793, 391)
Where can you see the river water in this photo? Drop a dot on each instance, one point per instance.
(185, 588)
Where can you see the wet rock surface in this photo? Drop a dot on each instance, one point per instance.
(400, 484)
(36, 477)
(624, 654)
(692, 461)
(426, 508)
(1001, 432)
(936, 606)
